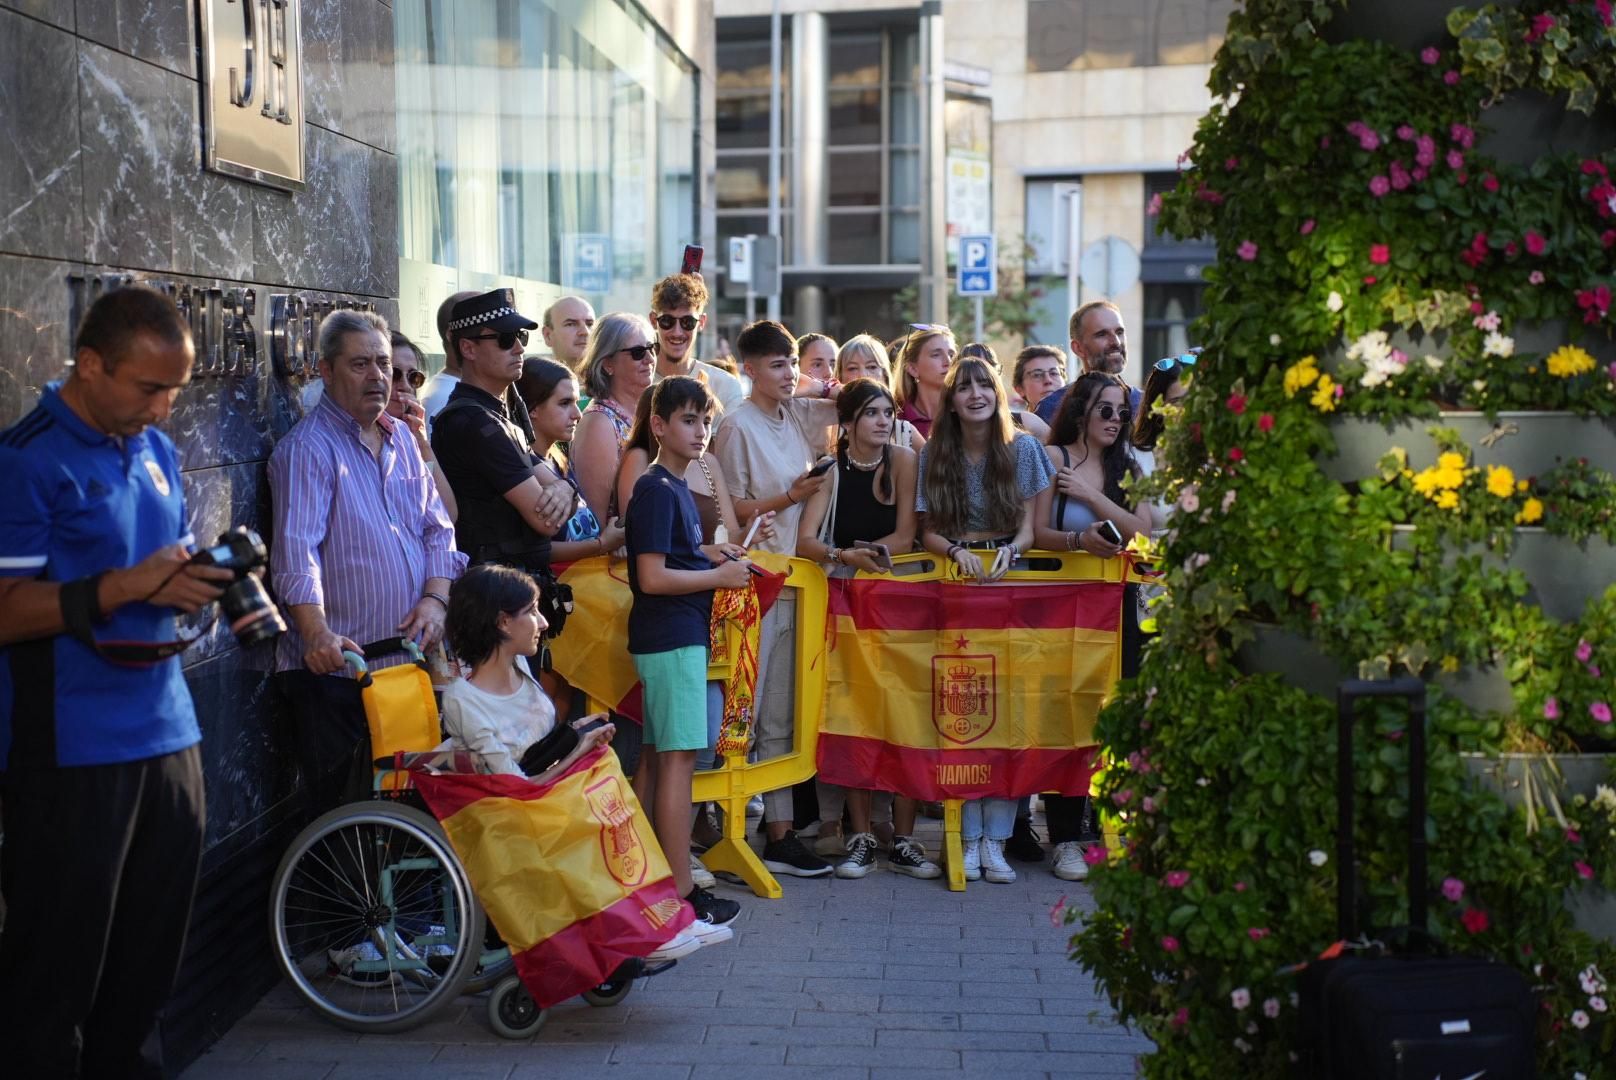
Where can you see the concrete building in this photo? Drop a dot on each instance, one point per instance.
(1047, 106)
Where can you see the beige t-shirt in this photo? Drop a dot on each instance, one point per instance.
(723, 386)
(761, 455)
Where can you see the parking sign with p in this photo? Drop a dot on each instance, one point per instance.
(978, 269)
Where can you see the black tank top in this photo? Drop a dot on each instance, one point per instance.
(859, 514)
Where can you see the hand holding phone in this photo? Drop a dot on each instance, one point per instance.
(691, 264)
(883, 557)
(822, 466)
(1109, 530)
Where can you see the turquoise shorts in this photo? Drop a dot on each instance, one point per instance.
(675, 685)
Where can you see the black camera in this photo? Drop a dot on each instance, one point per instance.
(252, 614)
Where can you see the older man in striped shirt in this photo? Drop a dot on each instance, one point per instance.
(363, 550)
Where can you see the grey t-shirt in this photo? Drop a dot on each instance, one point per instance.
(1033, 474)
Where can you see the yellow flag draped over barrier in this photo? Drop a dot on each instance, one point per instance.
(568, 871)
(939, 689)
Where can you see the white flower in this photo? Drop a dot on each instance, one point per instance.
(1202, 781)
(1579, 1019)
(1243, 1046)
(1317, 857)
(1334, 301)
(1497, 344)
(1274, 339)
(1240, 998)
(1478, 385)
(1434, 363)
(1189, 499)
(1270, 1008)
(1596, 1003)
(1228, 499)
(1605, 797)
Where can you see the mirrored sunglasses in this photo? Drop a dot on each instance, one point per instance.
(686, 322)
(415, 377)
(506, 339)
(1186, 359)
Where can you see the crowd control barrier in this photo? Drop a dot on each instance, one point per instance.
(916, 682)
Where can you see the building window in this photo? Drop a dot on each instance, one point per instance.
(1171, 271)
(1078, 35)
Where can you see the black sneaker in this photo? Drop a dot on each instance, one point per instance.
(1023, 845)
(713, 909)
(909, 857)
(860, 856)
(787, 855)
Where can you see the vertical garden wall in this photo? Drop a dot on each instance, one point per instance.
(1396, 457)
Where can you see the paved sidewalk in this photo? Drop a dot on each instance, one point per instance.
(839, 980)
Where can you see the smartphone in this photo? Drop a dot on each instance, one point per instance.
(822, 467)
(692, 259)
(1109, 530)
(883, 557)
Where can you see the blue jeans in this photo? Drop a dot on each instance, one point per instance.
(708, 758)
(999, 816)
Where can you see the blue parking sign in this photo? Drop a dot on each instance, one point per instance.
(588, 262)
(978, 269)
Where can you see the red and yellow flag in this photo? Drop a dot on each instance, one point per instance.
(944, 690)
(569, 872)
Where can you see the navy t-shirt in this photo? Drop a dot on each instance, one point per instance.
(1051, 404)
(662, 519)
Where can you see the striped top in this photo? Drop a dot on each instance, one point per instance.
(357, 535)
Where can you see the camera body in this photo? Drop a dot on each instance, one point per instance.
(252, 614)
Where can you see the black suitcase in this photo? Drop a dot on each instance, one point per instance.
(1408, 1015)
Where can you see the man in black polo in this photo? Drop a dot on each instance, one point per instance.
(508, 510)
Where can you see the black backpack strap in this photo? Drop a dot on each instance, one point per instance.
(1060, 499)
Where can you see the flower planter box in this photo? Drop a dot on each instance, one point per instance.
(1593, 908)
(1530, 443)
(1561, 574)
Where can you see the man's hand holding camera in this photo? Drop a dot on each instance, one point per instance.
(165, 578)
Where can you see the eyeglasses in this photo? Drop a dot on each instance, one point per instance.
(1043, 373)
(686, 322)
(637, 353)
(507, 339)
(1109, 411)
(1186, 359)
(415, 377)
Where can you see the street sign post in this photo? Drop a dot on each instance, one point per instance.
(978, 271)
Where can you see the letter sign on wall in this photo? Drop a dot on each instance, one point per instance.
(252, 90)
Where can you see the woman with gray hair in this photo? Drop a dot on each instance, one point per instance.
(616, 370)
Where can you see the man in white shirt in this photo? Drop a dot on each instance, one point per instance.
(435, 394)
(678, 314)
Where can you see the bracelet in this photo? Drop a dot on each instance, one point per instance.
(789, 500)
(952, 548)
(1071, 541)
(439, 597)
(600, 545)
(834, 554)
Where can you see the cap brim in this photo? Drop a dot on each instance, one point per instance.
(515, 321)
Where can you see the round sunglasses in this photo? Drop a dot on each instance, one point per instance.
(415, 377)
(1109, 411)
(506, 339)
(685, 322)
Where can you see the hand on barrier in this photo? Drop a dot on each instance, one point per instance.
(969, 563)
(1092, 542)
(864, 559)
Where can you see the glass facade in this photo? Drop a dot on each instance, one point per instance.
(543, 145)
(1086, 34)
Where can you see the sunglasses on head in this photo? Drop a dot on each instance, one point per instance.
(1186, 359)
(506, 339)
(1109, 411)
(686, 322)
(415, 377)
(637, 352)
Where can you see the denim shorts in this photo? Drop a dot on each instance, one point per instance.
(675, 685)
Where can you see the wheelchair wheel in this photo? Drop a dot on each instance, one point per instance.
(512, 1012)
(372, 918)
(491, 968)
(616, 987)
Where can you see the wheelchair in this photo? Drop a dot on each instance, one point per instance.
(371, 916)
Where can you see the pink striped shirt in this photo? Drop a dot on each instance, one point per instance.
(355, 534)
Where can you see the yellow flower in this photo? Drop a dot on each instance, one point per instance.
(1450, 663)
(1324, 394)
(1425, 482)
(1520, 485)
(1448, 500)
(1300, 374)
(1450, 461)
(1531, 512)
(1568, 360)
(1500, 481)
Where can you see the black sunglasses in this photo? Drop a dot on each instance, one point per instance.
(1109, 411)
(688, 322)
(637, 352)
(506, 339)
(415, 377)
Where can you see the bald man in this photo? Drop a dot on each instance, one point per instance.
(566, 327)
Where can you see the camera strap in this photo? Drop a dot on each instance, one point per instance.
(81, 610)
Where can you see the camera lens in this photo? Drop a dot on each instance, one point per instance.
(252, 614)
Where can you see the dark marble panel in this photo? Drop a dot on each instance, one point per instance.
(213, 221)
(56, 12)
(322, 239)
(348, 69)
(246, 759)
(41, 185)
(129, 157)
(382, 226)
(34, 331)
(161, 32)
(217, 500)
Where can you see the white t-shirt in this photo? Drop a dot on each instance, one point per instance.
(761, 455)
(435, 395)
(729, 390)
(499, 727)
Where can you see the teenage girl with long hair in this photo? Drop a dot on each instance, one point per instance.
(923, 366)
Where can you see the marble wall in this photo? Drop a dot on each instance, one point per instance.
(100, 109)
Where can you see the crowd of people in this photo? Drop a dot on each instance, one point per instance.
(438, 509)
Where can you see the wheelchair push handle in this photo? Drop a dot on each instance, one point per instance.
(382, 648)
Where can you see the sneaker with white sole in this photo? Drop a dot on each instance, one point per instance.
(717, 910)
(342, 963)
(994, 866)
(973, 859)
(788, 855)
(677, 947)
(708, 933)
(860, 856)
(1069, 862)
(700, 876)
(908, 856)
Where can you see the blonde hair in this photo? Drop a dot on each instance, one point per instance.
(908, 390)
(865, 347)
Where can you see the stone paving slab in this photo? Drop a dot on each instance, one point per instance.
(884, 978)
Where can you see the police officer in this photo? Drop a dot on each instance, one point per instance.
(102, 791)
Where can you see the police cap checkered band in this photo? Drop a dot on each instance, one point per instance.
(495, 309)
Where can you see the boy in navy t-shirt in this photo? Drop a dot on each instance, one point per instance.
(673, 577)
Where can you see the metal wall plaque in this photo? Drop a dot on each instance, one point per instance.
(252, 90)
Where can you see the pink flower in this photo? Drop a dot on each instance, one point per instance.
(1606, 15)
(1307, 226)
(1169, 943)
(1584, 871)
(1247, 250)
(1595, 303)
(1148, 805)
(1452, 889)
(1429, 55)
(1257, 933)
(1534, 242)
(1240, 998)
(1425, 150)
(1236, 454)
(1541, 24)
(1551, 709)
(1475, 920)
(1240, 886)
(1370, 279)
(1488, 322)
(1176, 879)
(1094, 854)
(1123, 797)
(1593, 670)
(1489, 181)
(1535, 277)
(1419, 174)
(1180, 1018)
(1462, 135)
(1585, 651)
(1450, 77)
(1189, 499)
(1380, 254)
(1400, 177)
(1406, 133)
(1265, 423)
(1270, 1008)
(1573, 836)
(1236, 403)
(1379, 186)
(1600, 712)
(1454, 159)
(1231, 164)
(1155, 205)
(1228, 499)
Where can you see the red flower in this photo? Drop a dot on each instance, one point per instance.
(1369, 279)
(1584, 871)
(1236, 454)
(1475, 920)
(1595, 303)
(1608, 238)
(1257, 933)
(1236, 403)
(1380, 254)
(1489, 181)
(1181, 1017)
(1594, 167)
(1265, 423)
(1307, 226)
(1534, 242)
(1169, 943)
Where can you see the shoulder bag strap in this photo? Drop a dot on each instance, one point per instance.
(1060, 499)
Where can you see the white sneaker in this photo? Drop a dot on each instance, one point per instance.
(706, 933)
(700, 876)
(342, 963)
(1069, 864)
(677, 947)
(973, 859)
(994, 867)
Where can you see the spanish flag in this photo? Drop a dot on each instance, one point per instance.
(939, 689)
(568, 872)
